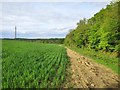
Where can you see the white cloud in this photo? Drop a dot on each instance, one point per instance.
(45, 19)
(55, 0)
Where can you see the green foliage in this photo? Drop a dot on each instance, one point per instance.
(33, 65)
(101, 32)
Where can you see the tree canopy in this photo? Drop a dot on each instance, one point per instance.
(100, 32)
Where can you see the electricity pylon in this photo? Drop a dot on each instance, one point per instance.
(15, 32)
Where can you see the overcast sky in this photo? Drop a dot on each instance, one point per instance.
(45, 19)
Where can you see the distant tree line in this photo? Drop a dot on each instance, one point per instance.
(51, 40)
(101, 32)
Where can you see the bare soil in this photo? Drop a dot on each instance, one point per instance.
(86, 73)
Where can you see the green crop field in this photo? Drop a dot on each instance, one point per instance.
(29, 65)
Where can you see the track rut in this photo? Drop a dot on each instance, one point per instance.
(85, 73)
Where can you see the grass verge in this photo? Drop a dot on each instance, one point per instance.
(100, 57)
